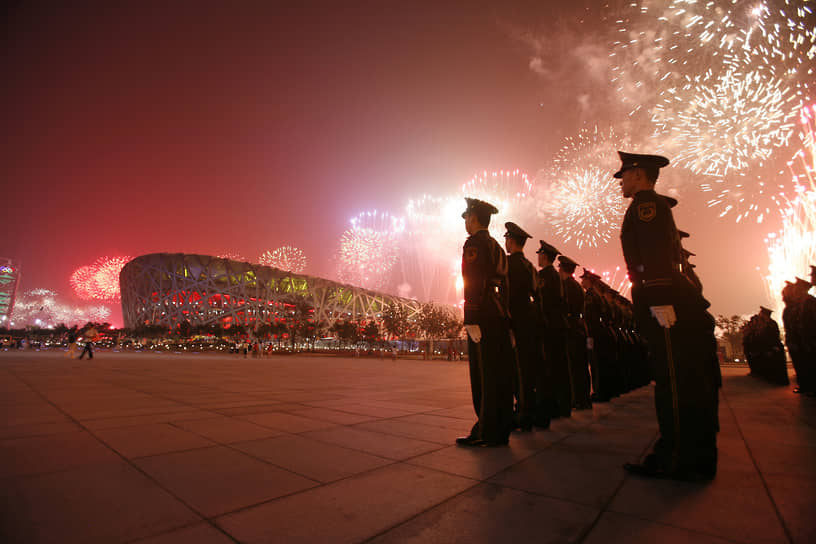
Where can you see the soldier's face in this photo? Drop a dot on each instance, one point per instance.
(632, 181)
(470, 223)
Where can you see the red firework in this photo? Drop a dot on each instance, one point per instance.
(81, 282)
(99, 281)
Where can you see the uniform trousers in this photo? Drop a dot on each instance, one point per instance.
(579, 369)
(491, 381)
(686, 390)
(529, 356)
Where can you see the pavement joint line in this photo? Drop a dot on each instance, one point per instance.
(181, 528)
(247, 454)
(605, 508)
(686, 529)
(476, 483)
(486, 481)
(127, 461)
(759, 472)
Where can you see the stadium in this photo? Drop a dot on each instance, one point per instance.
(169, 289)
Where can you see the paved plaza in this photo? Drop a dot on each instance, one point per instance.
(206, 449)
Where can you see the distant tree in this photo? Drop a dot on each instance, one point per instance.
(185, 329)
(395, 320)
(731, 334)
(452, 325)
(371, 333)
(431, 321)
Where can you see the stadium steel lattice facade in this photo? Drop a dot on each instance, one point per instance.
(167, 289)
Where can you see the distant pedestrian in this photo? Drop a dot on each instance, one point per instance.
(91, 335)
(72, 346)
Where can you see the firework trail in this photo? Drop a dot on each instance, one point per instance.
(369, 250)
(433, 236)
(287, 258)
(792, 249)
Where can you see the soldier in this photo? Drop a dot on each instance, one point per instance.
(791, 319)
(484, 271)
(593, 310)
(772, 364)
(523, 322)
(554, 388)
(576, 334)
(670, 312)
(805, 331)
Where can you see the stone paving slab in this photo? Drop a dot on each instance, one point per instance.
(160, 448)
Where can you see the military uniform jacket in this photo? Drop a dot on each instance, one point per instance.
(551, 299)
(522, 282)
(484, 272)
(651, 249)
(574, 294)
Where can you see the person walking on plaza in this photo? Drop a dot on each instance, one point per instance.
(484, 271)
(576, 334)
(553, 387)
(90, 336)
(523, 322)
(670, 312)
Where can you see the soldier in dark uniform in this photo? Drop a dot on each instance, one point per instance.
(768, 348)
(484, 271)
(805, 325)
(524, 322)
(593, 310)
(671, 314)
(554, 387)
(791, 321)
(576, 334)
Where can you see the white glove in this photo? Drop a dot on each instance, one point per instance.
(665, 315)
(474, 332)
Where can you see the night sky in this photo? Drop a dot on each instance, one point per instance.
(189, 126)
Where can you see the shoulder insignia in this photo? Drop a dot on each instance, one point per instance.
(471, 253)
(647, 211)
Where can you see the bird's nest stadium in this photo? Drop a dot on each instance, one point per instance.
(170, 288)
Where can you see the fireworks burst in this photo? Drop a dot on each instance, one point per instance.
(583, 202)
(40, 307)
(793, 248)
(369, 249)
(434, 231)
(81, 282)
(288, 258)
(721, 81)
(510, 191)
(99, 281)
(727, 126)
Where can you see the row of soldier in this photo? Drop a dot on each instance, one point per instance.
(762, 344)
(570, 343)
(554, 332)
(575, 343)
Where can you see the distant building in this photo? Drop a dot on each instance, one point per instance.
(9, 281)
(168, 289)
